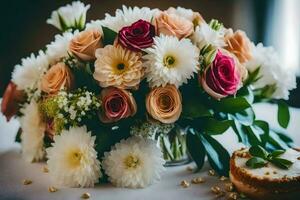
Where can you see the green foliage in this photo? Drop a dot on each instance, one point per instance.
(261, 158)
(108, 36)
(283, 114)
(195, 148)
(200, 143)
(230, 104)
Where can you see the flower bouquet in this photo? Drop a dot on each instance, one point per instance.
(115, 99)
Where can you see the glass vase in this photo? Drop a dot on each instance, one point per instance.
(173, 147)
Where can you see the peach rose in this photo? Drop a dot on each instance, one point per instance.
(239, 44)
(11, 99)
(172, 24)
(164, 104)
(116, 104)
(58, 77)
(84, 45)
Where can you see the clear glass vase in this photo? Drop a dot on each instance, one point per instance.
(173, 147)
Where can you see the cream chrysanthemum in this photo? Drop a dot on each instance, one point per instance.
(127, 16)
(134, 163)
(205, 35)
(119, 67)
(29, 73)
(32, 136)
(170, 61)
(72, 160)
(58, 49)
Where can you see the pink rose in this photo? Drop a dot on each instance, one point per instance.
(137, 36)
(11, 99)
(222, 77)
(174, 25)
(116, 104)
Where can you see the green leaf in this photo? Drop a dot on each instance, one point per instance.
(277, 153)
(195, 148)
(276, 141)
(213, 126)
(264, 127)
(283, 114)
(256, 162)
(254, 135)
(246, 92)
(194, 108)
(18, 136)
(281, 163)
(62, 22)
(284, 137)
(258, 151)
(231, 104)
(239, 130)
(245, 117)
(209, 57)
(218, 156)
(108, 35)
(253, 76)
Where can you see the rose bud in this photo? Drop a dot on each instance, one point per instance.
(174, 25)
(84, 45)
(239, 44)
(137, 36)
(58, 77)
(116, 104)
(10, 101)
(222, 77)
(164, 104)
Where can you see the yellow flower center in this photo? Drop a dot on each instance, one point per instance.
(169, 61)
(131, 162)
(74, 158)
(120, 68)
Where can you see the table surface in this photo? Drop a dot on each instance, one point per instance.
(13, 169)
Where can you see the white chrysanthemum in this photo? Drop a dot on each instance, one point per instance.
(28, 74)
(73, 16)
(127, 16)
(204, 35)
(58, 49)
(134, 163)
(272, 71)
(72, 159)
(170, 61)
(95, 24)
(32, 136)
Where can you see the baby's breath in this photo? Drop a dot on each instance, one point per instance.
(148, 129)
(69, 109)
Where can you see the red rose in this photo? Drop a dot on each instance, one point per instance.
(116, 104)
(11, 99)
(137, 36)
(222, 77)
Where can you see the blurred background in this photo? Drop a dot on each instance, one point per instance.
(273, 22)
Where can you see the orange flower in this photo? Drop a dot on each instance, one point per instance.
(172, 24)
(84, 45)
(11, 99)
(116, 104)
(58, 77)
(239, 44)
(164, 104)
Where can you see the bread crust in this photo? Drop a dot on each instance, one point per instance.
(262, 187)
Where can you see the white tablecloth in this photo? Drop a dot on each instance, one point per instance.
(13, 169)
